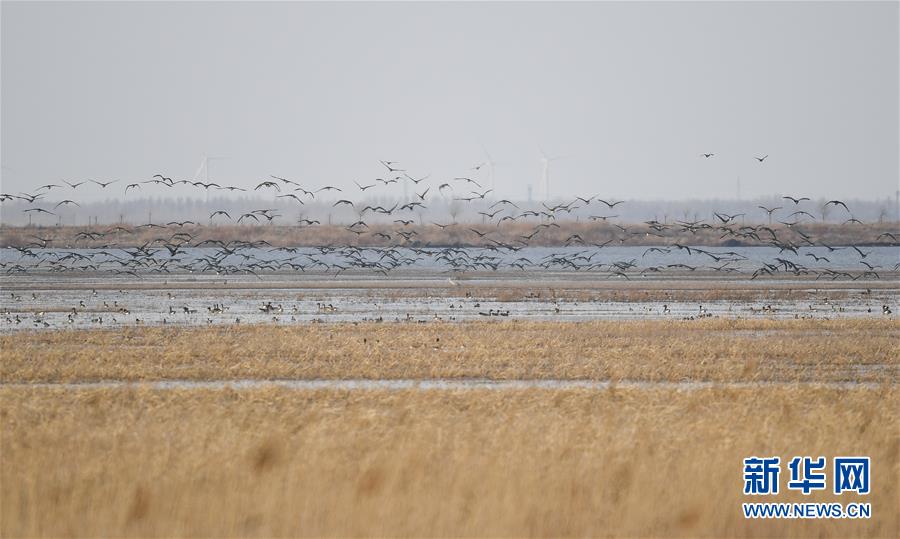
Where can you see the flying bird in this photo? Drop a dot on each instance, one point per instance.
(388, 165)
(286, 181)
(795, 200)
(30, 198)
(103, 185)
(770, 211)
(415, 181)
(268, 184)
(858, 250)
(470, 180)
(610, 204)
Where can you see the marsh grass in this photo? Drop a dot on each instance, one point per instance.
(277, 462)
(135, 461)
(660, 350)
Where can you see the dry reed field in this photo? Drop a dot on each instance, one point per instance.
(427, 463)
(144, 461)
(661, 350)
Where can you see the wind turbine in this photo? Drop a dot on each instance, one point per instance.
(204, 167)
(491, 164)
(545, 170)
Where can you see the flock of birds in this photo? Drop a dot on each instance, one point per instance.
(386, 237)
(180, 246)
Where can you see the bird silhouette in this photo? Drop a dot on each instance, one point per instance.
(104, 185)
(795, 200)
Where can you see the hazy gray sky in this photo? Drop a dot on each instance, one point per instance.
(630, 94)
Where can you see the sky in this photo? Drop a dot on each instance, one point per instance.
(626, 95)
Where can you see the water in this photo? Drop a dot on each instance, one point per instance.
(35, 306)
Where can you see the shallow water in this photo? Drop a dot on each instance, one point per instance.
(107, 308)
(51, 302)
